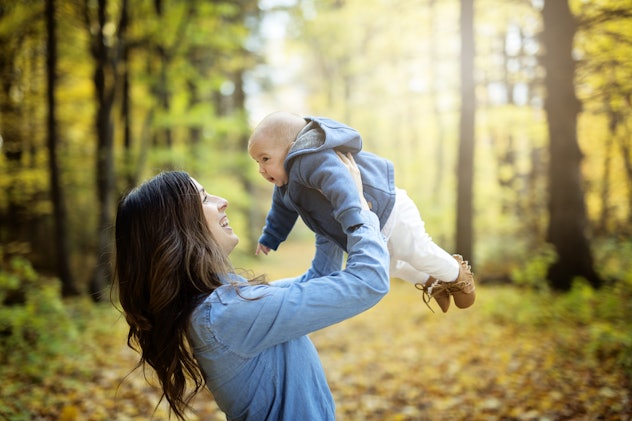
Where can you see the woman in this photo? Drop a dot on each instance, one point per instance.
(193, 319)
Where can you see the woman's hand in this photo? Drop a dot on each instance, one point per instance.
(355, 173)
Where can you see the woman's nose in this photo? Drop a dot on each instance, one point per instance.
(222, 203)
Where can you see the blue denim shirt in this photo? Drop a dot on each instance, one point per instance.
(258, 362)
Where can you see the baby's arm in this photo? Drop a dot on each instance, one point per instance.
(279, 222)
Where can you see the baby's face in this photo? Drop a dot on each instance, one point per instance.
(270, 156)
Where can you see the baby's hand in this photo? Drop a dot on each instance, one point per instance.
(262, 249)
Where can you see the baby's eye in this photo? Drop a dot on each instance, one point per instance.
(265, 159)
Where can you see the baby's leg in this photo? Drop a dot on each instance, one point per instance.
(417, 259)
(412, 249)
(404, 271)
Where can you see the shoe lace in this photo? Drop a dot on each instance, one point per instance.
(426, 293)
(437, 287)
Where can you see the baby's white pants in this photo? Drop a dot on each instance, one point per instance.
(414, 256)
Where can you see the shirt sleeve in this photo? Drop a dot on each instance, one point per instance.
(260, 316)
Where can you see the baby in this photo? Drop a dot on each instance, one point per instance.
(298, 155)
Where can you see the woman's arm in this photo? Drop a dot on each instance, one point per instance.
(328, 257)
(262, 316)
(275, 315)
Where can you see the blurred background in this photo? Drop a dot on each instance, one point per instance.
(509, 124)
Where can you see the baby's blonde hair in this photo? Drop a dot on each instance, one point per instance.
(280, 127)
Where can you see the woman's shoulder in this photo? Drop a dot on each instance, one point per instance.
(235, 287)
(229, 306)
(213, 302)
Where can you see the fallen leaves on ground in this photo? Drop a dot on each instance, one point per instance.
(398, 361)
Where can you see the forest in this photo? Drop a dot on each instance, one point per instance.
(509, 124)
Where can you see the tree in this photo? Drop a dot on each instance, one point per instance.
(25, 218)
(60, 239)
(603, 40)
(106, 54)
(465, 169)
(567, 213)
(14, 218)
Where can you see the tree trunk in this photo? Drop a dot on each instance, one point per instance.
(626, 151)
(437, 113)
(164, 52)
(13, 222)
(132, 168)
(61, 248)
(567, 214)
(253, 213)
(104, 81)
(465, 168)
(604, 190)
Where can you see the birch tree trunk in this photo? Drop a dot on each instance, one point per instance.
(465, 168)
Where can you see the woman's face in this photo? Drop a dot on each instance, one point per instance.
(214, 208)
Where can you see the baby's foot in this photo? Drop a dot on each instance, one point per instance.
(463, 289)
(434, 288)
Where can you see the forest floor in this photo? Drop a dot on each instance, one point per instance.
(397, 361)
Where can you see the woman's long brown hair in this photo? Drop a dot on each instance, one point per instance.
(166, 263)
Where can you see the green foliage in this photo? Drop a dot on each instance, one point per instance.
(527, 308)
(50, 349)
(20, 183)
(533, 272)
(186, 71)
(35, 328)
(607, 314)
(598, 319)
(612, 257)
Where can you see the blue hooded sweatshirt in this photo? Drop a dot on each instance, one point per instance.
(320, 188)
